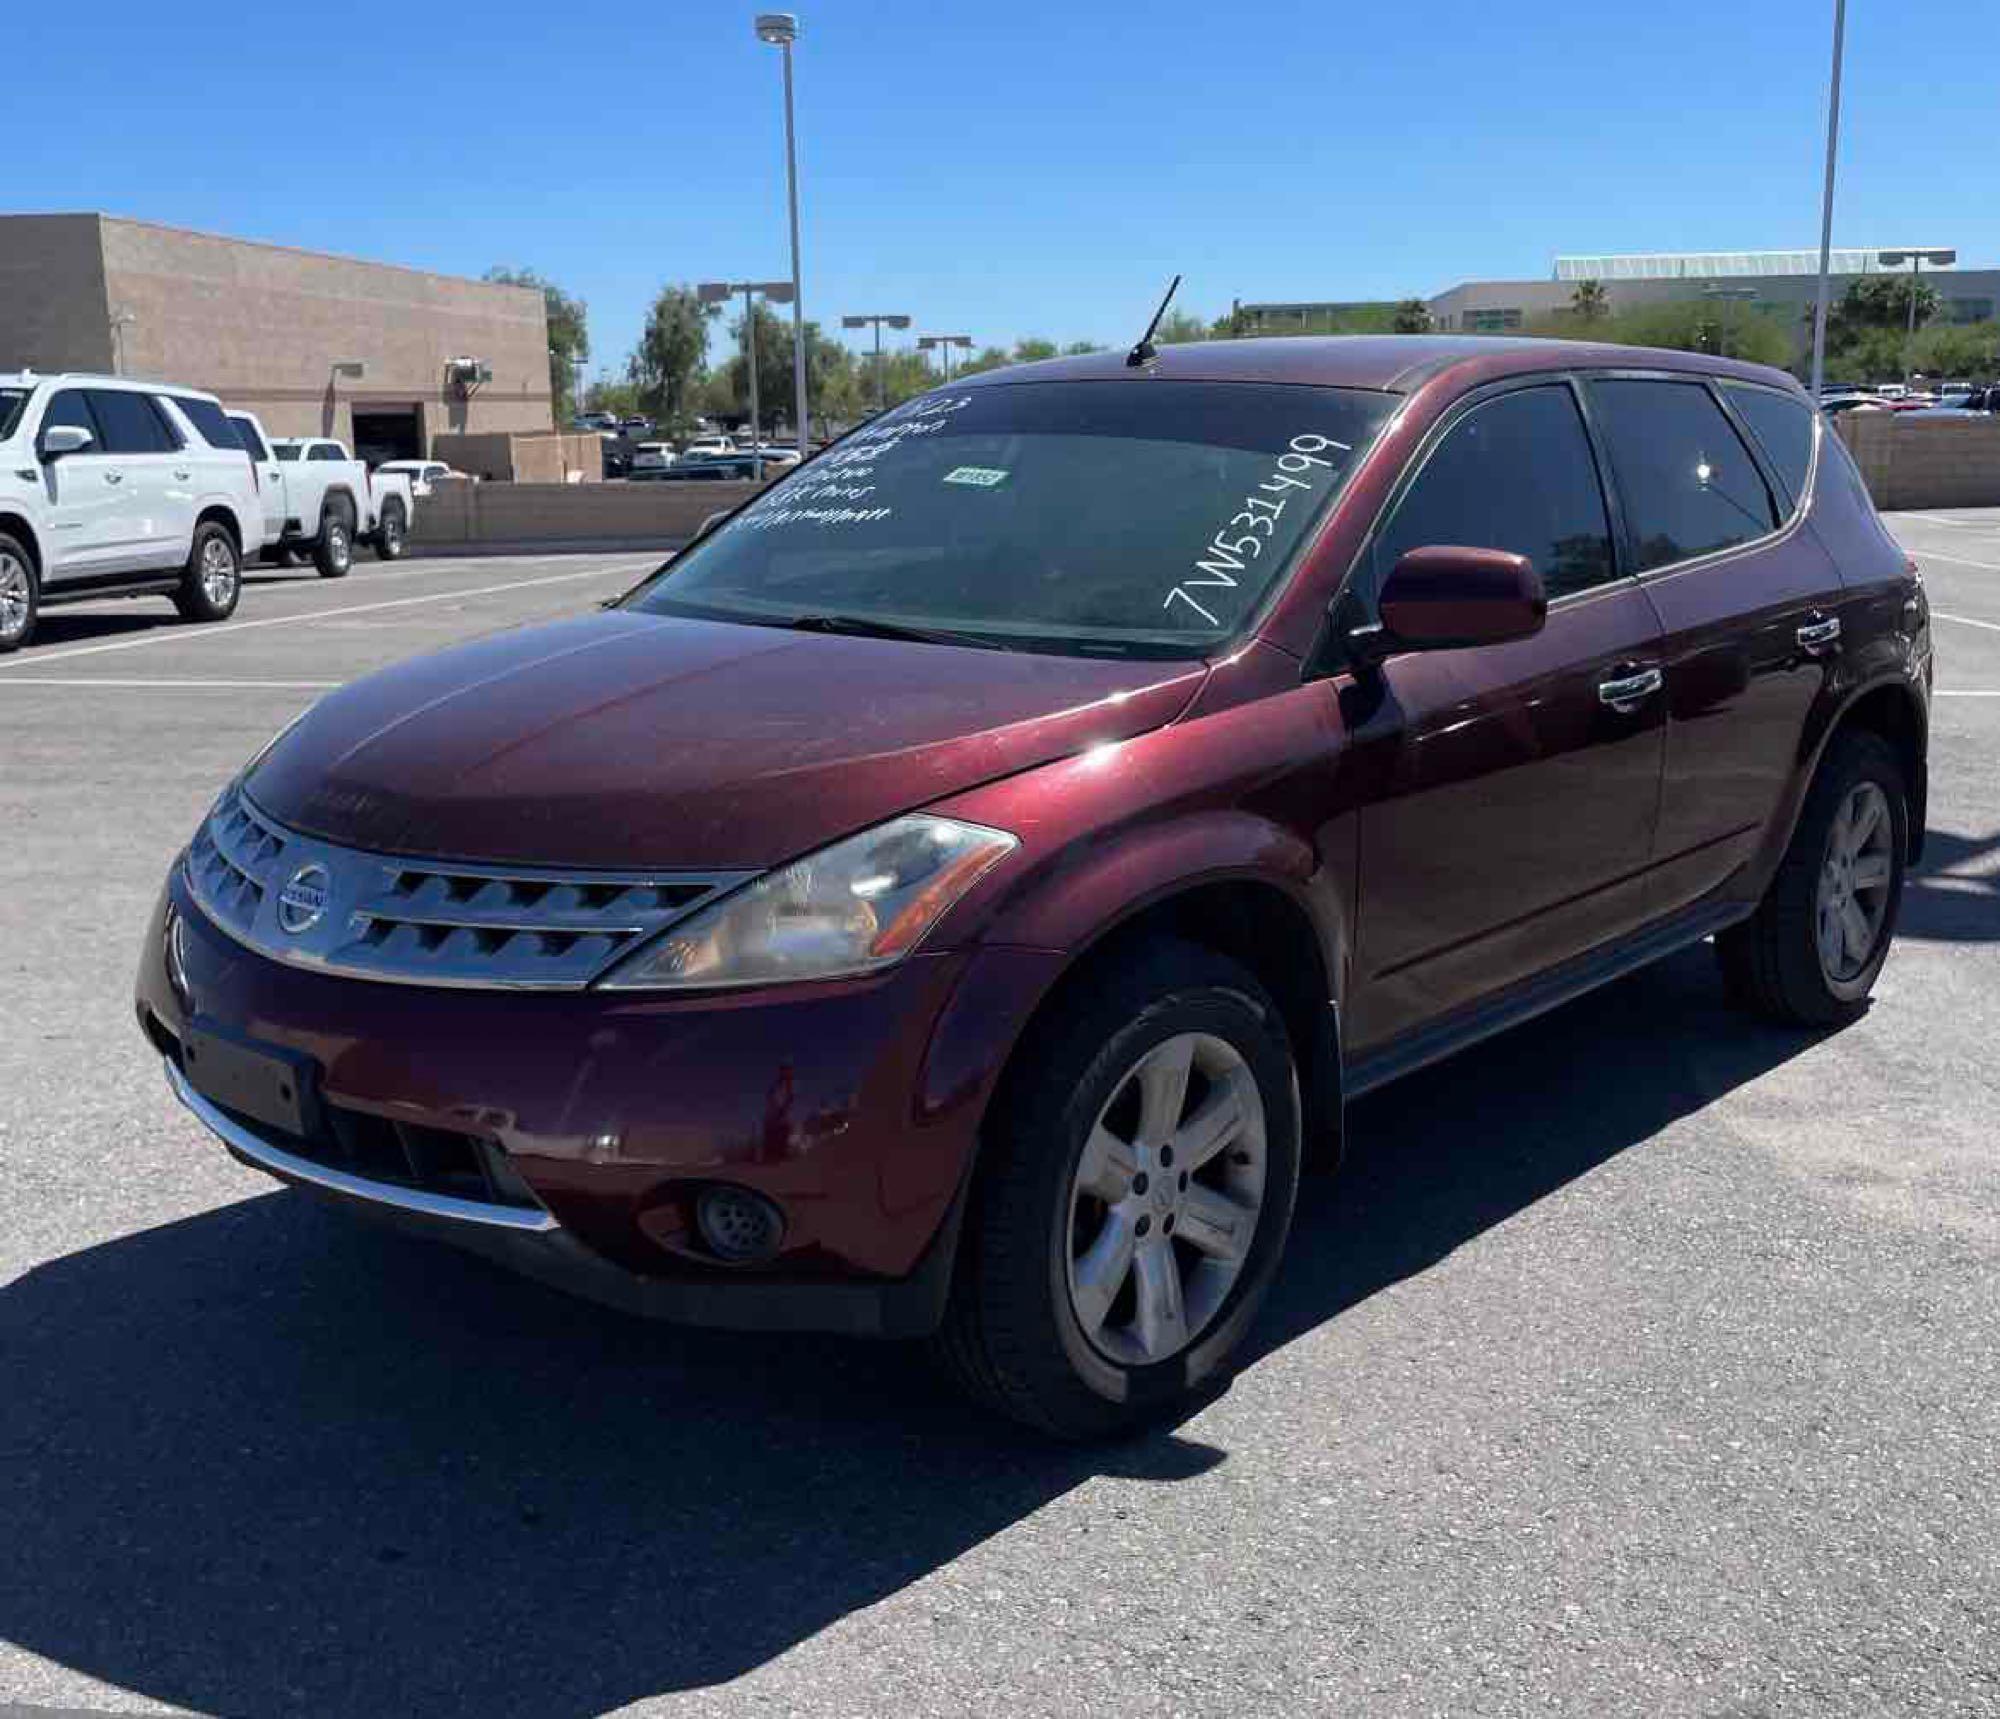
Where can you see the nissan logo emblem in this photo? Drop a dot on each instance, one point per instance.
(303, 899)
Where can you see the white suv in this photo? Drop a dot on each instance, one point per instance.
(108, 485)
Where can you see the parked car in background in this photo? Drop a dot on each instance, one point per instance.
(652, 456)
(618, 451)
(696, 468)
(708, 447)
(1834, 405)
(594, 421)
(422, 474)
(115, 487)
(635, 426)
(319, 500)
(962, 912)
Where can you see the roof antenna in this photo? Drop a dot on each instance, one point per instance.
(1146, 350)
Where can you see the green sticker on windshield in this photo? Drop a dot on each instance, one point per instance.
(980, 477)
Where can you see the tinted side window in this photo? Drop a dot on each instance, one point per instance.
(246, 433)
(1516, 473)
(323, 451)
(1783, 427)
(1688, 483)
(70, 407)
(207, 417)
(132, 423)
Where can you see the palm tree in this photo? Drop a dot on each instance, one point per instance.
(1589, 303)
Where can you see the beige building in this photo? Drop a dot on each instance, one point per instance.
(276, 331)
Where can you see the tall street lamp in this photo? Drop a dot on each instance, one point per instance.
(720, 292)
(881, 381)
(1826, 202)
(1937, 257)
(781, 30)
(1727, 296)
(942, 345)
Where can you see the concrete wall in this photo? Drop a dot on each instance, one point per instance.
(500, 457)
(263, 325)
(645, 514)
(1925, 462)
(53, 314)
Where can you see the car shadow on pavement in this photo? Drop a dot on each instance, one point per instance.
(266, 1460)
(1954, 896)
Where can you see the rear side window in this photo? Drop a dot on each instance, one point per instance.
(289, 452)
(323, 451)
(1783, 427)
(246, 433)
(132, 423)
(209, 418)
(1687, 481)
(70, 407)
(1515, 473)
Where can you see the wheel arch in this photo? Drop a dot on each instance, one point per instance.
(223, 514)
(20, 528)
(1892, 709)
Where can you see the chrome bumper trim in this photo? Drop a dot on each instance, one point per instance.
(288, 1167)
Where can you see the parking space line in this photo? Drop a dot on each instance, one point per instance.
(177, 635)
(172, 685)
(1956, 560)
(1954, 524)
(1966, 621)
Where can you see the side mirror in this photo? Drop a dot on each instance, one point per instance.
(61, 439)
(709, 524)
(1448, 598)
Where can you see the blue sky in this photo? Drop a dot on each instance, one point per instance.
(1033, 167)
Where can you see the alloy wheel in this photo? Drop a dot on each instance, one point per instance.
(14, 593)
(1165, 1199)
(1851, 903)
(218, 571)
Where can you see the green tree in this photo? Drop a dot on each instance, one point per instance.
(671, 357)
(1970, 349)
(987, 358)
(1177, 327)
(1682, 325)
(1033, 349)
(569, 336)
(1590, 302)
(1412, 316)
(1081, 348)
(1883, 301)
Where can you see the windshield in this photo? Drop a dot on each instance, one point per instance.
(1127, 517)
(11, 402)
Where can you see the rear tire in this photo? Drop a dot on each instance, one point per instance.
(391, 533)
(1077, 1307)
(1810, 954)
(333, 550)
(20, 595)
(212, 583)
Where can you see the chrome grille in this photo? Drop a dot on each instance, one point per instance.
(425, 922)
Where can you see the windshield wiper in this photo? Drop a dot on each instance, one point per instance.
(868, 627)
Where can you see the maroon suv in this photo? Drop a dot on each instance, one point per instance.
(953, 896)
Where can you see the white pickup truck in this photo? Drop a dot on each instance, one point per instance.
(318, 499)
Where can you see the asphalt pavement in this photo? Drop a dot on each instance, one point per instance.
(1642, 1360)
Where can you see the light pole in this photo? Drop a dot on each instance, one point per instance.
(942, 345)
(1826, 202)
(881, 381)
(781, 30)
(1728, 296)
(720, 292)
(1940, 257)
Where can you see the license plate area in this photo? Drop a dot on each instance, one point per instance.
(268, 1085)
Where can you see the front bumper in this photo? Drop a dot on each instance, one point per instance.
(854, 1107)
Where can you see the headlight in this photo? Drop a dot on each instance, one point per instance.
(859, 905)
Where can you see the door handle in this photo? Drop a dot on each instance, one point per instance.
(1815, 636)
(181, 476)
(114, 477)
(1625, 693)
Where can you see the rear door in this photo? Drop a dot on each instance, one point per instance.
(1748, 602)
(1513, 788)
(84, 494)
(154, 517)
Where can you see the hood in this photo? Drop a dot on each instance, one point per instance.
(620, 739)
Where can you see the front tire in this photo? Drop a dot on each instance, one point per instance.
(1133, 1198)
(333, 551)
(20, 595)
(391, 534)
(1810, 954)
(213, 580)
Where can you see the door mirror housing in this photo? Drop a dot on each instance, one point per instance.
(709, 524)
(61, 439)
(1448, 598)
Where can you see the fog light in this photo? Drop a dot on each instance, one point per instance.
(740, 1227)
